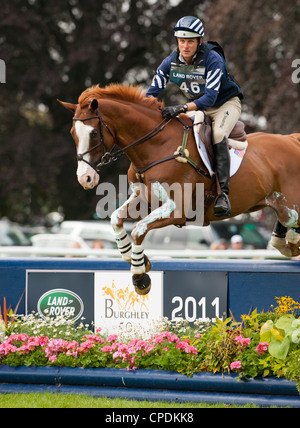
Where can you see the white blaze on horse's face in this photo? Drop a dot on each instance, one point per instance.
(87, 176)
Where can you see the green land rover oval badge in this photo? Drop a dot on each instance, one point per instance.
(60, 302)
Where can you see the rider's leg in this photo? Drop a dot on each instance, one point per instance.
(222, 159)
(224, 119)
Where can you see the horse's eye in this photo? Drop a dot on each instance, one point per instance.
(94, 133)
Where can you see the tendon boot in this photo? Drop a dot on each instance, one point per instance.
(222, 159)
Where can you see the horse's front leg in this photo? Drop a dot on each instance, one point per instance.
(117, 222)
(159, 217)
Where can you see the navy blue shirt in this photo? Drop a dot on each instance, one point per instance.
(216, 75)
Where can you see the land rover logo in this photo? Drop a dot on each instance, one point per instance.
(60, 302)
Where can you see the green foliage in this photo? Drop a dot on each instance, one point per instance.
(293, 368)
(287, 331)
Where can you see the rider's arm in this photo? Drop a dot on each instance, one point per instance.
(160, 78)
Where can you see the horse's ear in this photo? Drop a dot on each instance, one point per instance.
(93, 104)
(68, 106)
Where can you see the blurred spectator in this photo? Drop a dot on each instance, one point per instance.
(74, 245)
(97, 244)
(236, 242)
(219, 245)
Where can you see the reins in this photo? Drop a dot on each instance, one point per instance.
(181, 153)
(111, 156)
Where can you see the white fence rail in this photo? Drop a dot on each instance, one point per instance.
(33, 251)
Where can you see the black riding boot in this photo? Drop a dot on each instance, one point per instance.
(222, 159)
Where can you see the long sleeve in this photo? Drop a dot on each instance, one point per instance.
(160, 78)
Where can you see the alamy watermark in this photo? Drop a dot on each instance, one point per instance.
(188, 200)
(296, 73)
(2, 71)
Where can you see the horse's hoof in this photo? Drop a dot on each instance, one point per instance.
(148, 265)
(142, 284)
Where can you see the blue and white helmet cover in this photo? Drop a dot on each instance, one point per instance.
(189, 27)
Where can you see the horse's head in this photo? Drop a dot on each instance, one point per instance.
(92, 137)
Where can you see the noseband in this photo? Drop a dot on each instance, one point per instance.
(107, 157)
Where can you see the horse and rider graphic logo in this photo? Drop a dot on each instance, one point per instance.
(126, 299)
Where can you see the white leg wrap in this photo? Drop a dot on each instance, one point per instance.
(124, 245)
(137, 260)
(293, 237)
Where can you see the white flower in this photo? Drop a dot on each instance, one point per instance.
(2, 330)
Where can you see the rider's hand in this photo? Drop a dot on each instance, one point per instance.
(173, 111)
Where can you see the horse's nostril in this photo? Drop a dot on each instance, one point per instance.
(88, 179)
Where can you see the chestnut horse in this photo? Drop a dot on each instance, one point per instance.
(119, 117)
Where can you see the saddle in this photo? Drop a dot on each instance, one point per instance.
(237, 138)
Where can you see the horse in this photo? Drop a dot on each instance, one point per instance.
(120, 117)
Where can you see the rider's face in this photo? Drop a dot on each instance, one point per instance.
(188, 48)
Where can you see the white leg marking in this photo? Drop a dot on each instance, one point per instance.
(293, 237)
(162, 212)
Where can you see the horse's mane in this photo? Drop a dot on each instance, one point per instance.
(130, 93)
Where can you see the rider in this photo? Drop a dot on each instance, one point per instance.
(199, 69)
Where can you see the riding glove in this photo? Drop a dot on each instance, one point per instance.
(173, 111)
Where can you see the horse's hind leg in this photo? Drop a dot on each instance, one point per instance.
(278, 239)
(293, 236)
(287, 242)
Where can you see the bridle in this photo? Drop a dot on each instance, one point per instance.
(107, 156)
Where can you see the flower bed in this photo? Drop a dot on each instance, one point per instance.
(263, 345)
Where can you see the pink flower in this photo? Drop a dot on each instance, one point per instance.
(235, 365)
(191, 350)
(17, 338)
(98, 330)
(43, 340)
(123, 348)
(112, 337)
(182, 345)
(174, 338)
(148, 348)
(198, 335)
(95, 338)
(85, 346)
(166, 334)
(117, 354)
(262, 347)
(106, 348)
(242, 340)
(53, 358)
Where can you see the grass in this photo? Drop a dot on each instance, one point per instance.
(51, 400)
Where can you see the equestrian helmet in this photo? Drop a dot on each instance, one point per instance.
(189, 27)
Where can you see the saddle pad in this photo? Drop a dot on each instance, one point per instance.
(236, 155)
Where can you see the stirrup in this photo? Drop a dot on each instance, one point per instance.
(223, 212)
